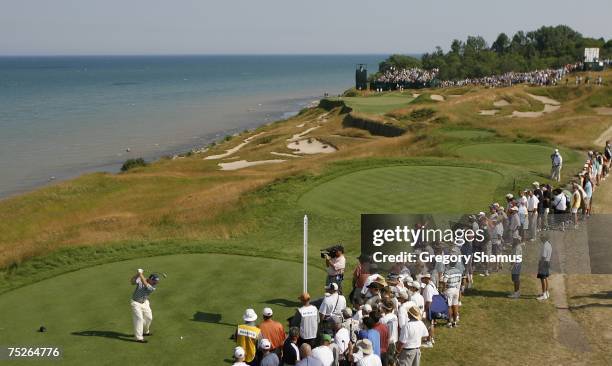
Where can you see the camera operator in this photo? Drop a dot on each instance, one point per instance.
(335, 262)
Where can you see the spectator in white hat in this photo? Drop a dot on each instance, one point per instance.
(556, 162)
(272, 330)
(239, 357)
(268, 358)
(365, 354)
(416, 297)
(333, 303)
(248, 335)
(411, 337)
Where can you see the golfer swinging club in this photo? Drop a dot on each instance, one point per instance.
(141, 311)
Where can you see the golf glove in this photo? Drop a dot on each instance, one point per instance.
(140, 270)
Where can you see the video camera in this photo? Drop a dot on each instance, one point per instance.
(331, 251)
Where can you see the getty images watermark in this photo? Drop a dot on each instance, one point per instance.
(392, 238)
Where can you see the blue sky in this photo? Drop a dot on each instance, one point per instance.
(277, 26)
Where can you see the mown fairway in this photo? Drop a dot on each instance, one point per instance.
(535, 157)
(87, 312)
(378, 104)
(404, 189)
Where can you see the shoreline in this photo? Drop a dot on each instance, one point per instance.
(113, 166)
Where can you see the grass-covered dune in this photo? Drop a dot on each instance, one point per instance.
(179, 215)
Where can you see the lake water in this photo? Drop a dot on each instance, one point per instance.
(64, 116)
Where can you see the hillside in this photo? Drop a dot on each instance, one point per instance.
(459, 150)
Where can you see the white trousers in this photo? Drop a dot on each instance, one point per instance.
(142, 316)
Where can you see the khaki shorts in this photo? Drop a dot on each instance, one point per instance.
(452, 296)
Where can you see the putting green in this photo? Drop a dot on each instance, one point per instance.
(531, 155)
(378, 104)
(87, 312)
(404, 189)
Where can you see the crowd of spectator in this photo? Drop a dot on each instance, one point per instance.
(388, 319)
(411, 76)
(415, 77)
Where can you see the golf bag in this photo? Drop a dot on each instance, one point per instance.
(438, 308)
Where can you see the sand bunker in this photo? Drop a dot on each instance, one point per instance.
(437, 97)
(311, 146)
(415, 95)
(550, 105)
(544, 100)
(301, 134)
(488, 112)
(603, 111)
(235, 165)
(285, 154)
(501, 103)
(301, 125)
(232, 150)
(527, 114)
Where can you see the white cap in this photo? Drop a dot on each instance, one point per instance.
(249, 315)
(403, 294)
(367, 308)
(481, 214)
(239, 352)
(267, 312)
(265, 344)
(415, 284)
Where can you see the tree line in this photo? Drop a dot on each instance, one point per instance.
(546, 47)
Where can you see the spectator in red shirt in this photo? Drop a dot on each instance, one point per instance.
(384, 335)
(360, 274)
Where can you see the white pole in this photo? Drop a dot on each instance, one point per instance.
(305, 253)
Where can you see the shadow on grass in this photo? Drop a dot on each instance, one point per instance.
(213, 318)
(592, 305)
(105, 334)
(283, 302)
(604, 295)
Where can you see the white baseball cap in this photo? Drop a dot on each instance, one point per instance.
(267, 312)
(239, 352)
(367, 308)
(249, 315)
(265, 344)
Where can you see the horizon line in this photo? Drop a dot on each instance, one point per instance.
(202, 54)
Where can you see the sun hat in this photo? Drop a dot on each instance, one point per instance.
(239, 352)
(367, 308)
(347, 312)
(365, 345)
(415, 284)
(509, 196)
(426, 275)
(267, 312)
(414, 312)
(265, 344)
(403, 294)
(305, 296)
(249, 315)
(536, 184)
